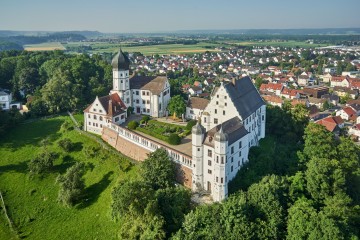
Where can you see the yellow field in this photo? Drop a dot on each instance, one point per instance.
(44, 46)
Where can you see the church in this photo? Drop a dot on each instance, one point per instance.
(228, 126)
(144, 94)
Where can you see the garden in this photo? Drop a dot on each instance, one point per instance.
(167, 132)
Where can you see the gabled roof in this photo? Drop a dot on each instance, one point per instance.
(197, 103)
(331, 123)
(233, 128)
(349, 111)
(112, 104)
(155, 84)
(244, 95)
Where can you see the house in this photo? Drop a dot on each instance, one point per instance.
(347, 113)
(331, 98)
(195, 90)
(273, 100)
(6, 101)
(303, 80)
(355, 130)
(289, 93)
(332, 124)
(326, 77)
(195, 106)
(319, 102)
(346, 91)
(316, 91)
(339, 81)
(208, 82)
(103, 112)
(272, 87)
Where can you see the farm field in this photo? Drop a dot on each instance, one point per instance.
(101, 47)
(32, 200)
(50, 46)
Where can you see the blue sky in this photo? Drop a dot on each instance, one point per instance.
(170, 15)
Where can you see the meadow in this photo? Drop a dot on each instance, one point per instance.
(31, 200)
(48, 46)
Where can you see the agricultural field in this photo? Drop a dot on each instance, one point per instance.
(100, 47)
(50, 46)
(31, 200)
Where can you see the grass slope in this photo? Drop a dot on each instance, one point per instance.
(31, 201)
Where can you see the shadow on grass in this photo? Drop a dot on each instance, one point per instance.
(93, 192)
(77, 147)
(67, 162)
(32, 134)
(21, 167)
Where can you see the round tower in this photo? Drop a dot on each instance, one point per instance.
(197, 156)
(220, 185)
(121, 65)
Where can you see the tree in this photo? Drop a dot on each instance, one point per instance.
(159, 170)
(28, 80)
(174, 139)
(177, 106)
(66, 144)
(42, 163)
(132, 125)
(72, 185)
(130, 197)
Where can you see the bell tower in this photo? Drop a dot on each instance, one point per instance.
(121, 84)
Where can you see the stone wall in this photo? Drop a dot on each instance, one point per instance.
(128, 147)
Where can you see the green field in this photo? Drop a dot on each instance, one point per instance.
(50, 46)
(278, 44)
(31, 200)
(100, 47)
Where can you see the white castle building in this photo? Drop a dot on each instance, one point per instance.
(232, 122)
(146, 95)
(229, 125)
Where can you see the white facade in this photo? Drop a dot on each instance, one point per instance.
(5, 100)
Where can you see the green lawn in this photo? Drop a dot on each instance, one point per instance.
(31, 201)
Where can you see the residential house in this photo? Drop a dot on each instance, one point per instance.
(346, 91)
(347, 113)
(339, 81)
(332, 124)
(195, 90)
(195, 106)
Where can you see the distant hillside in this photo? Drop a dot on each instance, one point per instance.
(87, 34)
(6, 45)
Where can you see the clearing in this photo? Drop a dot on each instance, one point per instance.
(49, 46)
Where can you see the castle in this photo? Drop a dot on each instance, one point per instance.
(230, 124)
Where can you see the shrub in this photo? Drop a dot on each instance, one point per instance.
(190, 124)
(133, 125)
(66, 126)
(145, 119)
(66, 144)
(91, 151)
(174, 139)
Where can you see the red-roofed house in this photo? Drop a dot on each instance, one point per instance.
(289, 93)
(273, 100)
(339, 81)
(104, 111)
(347, 113)
(272, 87)
(331, 123)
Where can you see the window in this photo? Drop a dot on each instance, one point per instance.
(121, 81)
(232, 159)
(209, 171)
(225, 104)
(217, 103)
(143, 101)
(204, 119)
(238, 163)
(217, 159)
(191, 111)
(215, 111)
(209, 153)
(232, 149)
(239, 153)
(217, 179)
(198, 149)
(144, 109)
(94, 109)
(122, 116)
(215, 120)
(240, 144)
(90, 123)
(137, 101)
(95, 117)
(137, 92)
(116, 119)
(263, 117)
(222, 160)
(101, 125)
(222, 180)
(100, 110)
(147, 93)
(100, 118)
(148, 110)
(232, 168)
(217, 96)
(223, 112)
(225, 97)
(89, 116)
(209, 162)
(148, 101)
(143, 92)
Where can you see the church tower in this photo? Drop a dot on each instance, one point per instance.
(121, 84)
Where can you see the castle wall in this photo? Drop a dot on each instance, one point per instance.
(137, 147)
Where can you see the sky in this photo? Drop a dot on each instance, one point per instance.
(119, 16)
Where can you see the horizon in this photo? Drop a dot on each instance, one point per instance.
(111, 16)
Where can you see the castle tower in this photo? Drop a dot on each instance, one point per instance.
(220, 190)
(197, 156)
(121, 85)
